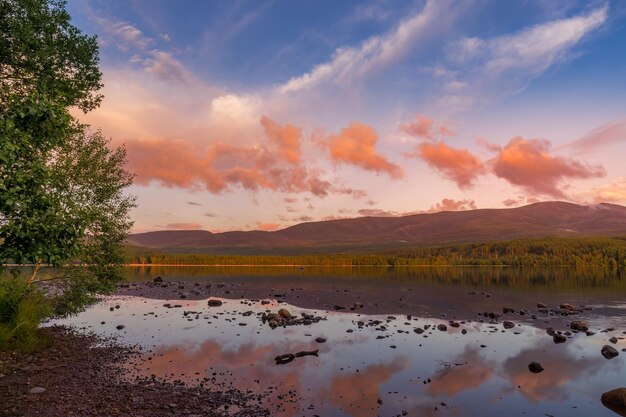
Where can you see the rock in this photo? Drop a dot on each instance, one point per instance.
(337, 307)
(559, 338)
(455, 324)
(550, 331)
(265, 302)
(357, 305)
(535, 367)
(214, 303)
(579, 326)
(37, 390)
(158, 279)
(616, 397)
(609, 352)
(120, 327)
(508, 324)
(418, 330)
(568, 307)
(273, 324)
(320, 340)
(613, 340)
(541, 305)
(284, 313)
(507, 310)
(442, 327)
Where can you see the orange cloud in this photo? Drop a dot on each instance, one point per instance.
(268, 227)
(218, 167)
(287, 137)
(426, 128)
(183, 226)
(356, 145)
(458, 165)
(614, 192)
(528, 164)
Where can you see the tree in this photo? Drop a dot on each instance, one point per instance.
(40, 51)
(62, 187)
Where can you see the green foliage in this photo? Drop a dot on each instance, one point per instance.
(580, 252)
(62, 188)
(22, 307)
(35, 223)
(40, 51)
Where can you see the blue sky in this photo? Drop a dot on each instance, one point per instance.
(276, 112)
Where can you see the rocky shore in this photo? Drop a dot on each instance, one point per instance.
(80, 375)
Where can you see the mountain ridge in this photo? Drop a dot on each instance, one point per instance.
(545, 219)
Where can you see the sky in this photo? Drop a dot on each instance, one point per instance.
(257, 115)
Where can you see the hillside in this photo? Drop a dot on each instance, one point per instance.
(548, 219)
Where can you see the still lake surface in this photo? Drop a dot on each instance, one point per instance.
(373, 362)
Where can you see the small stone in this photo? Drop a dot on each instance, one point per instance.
(508, 324)
(37, 390)
(507, 310)
(214, 303)
(442, 327)
(157, 279)
(559, 338)
(579, 326)
(541, 305)
(613, 340)
(120, 327)
(535, 367)
(284, 313)
(320, 340)
(609, 352)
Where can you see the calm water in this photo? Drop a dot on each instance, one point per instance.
(391, 370)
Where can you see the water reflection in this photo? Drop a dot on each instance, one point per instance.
(362, 371)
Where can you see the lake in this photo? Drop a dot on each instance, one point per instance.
(380, 352)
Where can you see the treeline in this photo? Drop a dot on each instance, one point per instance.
(572, 252)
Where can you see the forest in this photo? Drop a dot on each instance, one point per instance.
(572, 252)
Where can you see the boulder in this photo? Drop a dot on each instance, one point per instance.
(616, 396)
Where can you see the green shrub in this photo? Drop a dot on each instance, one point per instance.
(22, 308)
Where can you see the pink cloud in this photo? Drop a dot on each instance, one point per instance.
(607, 134)
(183, 226)
(510, 202)
(449, 204)
(426, 128)
(529, 164)
(458, 165)
(356, 145)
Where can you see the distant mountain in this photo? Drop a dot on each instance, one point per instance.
(548, 219)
